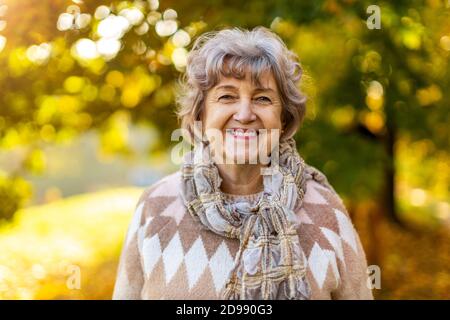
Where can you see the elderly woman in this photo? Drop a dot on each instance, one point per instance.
(245, 217)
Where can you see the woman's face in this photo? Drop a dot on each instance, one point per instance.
(235, 115)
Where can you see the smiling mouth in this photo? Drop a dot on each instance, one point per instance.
(239, 133)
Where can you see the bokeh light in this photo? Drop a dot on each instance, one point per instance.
(181, 38)
(2, 42)
(133, 15)
(102, 12)
(85, 49)
(65, 21)
(108, 48)
(165, 28)
(39, 54)
(113, 27)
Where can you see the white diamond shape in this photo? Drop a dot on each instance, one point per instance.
(172, 257)
(135, 222)
(151, 252)
(346, 230)
(332, 259)
(318, 264)
(175, 210)
(312, 195)
(141, 234)
(220, 265)
(335, 241)
(303, 217)
(196, 260)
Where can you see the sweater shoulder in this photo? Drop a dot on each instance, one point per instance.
(158, 196)
(323, 195)
(324, 215)
(328, 237)
(168, 186)
(323, 207)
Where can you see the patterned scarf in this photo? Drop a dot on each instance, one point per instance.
(270, 263)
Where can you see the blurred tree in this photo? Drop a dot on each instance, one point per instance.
(106, 64)
(394, 84)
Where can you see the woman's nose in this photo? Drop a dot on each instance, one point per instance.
(244, 113)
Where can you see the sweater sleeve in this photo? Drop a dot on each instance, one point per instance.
(330, 212)
(354, 283)
(130, 275)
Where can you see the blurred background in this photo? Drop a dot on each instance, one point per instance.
(87, 108)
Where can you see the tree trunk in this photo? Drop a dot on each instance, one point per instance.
(388, 191)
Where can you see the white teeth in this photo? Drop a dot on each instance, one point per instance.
(240, 133)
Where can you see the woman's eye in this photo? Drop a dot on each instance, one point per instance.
(263, 99)
(226, 97)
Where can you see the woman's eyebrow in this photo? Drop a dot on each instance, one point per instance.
(262, 89)
(231, 87)
(226, 87)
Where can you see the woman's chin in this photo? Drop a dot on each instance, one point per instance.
(241, 157)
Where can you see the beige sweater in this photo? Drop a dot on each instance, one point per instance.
(169, 255)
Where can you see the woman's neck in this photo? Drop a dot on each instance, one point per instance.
(240, 179)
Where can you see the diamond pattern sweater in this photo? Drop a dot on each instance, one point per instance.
(168, 255)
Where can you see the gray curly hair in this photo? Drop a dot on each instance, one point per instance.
(230, 52)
